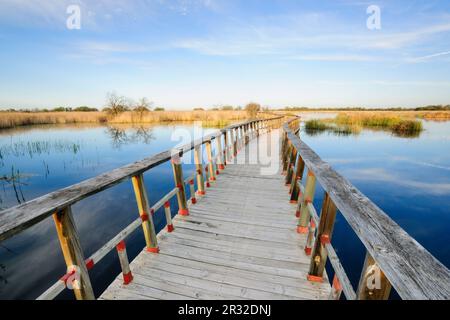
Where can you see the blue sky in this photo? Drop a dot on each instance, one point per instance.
(190, 53)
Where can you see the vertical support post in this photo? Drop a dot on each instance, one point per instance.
(220, 158)
(198, 159)
(310, 239)
(298, 176)
(124, 264)
(179, 183)
(235, 138)
(145, 213)
(225, 145)
(247, 133)
(324, 233)
(286, 155)
(290, 166)
(192, 191)
(336, 289)
(373, 284)
(308, 197)
(211, 172)
(168, 214)
(73, 254)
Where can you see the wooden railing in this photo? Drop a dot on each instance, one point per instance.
(58, 203)
(393, 257)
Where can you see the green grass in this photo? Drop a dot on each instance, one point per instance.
(352, 123)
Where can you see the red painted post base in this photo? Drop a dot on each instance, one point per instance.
(193, 200)
(297, 214)
(183, 212)
(212, 178)
(301, 229)
(153, 250)
(169, 227)
(201, 193)
(293, 201)
(127, 278)
(308, 251)
(314, 278)
(221, 167)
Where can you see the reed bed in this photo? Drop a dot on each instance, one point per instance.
(209, 118)
(346, 123)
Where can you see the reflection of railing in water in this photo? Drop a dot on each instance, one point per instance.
(392, 255)
(58, 204)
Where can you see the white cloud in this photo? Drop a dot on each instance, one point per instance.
(380, 174)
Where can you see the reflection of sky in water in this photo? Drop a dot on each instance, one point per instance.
(408, 178)
(32, 261)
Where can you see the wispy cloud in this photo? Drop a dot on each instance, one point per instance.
(428, 57)
(380, 174)
(336, 57)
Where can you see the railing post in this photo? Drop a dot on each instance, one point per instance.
(124, 263)
(308, 197)
(286, 155)
(220, 160)
(198, 159)
(73, 254)
(168, 215)
(373, 284)
(145, 213)
(179, 183)
(336, 289)
(324, 233)
(297, 177)
(192, 191)
(212, 176)
(290, 166)
(231, 143)
(235, 137)
(225, 144)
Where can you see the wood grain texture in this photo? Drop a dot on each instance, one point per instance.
(239, 242)
(16, 219)
(411, 269)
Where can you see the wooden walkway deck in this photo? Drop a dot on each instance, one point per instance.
(239, 242)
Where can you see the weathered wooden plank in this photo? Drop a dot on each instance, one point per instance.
(14, 220)
(411, 269)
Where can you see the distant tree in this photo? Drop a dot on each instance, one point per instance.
(116, 104)
(85, 109)
(142, 107)
(252, 109)
(238, 108)
(159, 109)
(59, 109)
(199, 109)
(227, 108)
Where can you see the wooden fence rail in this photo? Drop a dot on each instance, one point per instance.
(58, 203)
(393, 256)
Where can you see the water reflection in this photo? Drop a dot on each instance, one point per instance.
(124, 135)
(39, 160)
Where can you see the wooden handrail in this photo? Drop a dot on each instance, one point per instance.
(408, 266)
(58, 203)
(16, 219)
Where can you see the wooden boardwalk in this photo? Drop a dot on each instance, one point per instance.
(238, 242)
(242, 239)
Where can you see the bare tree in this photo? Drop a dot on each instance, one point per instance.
(252, 109)
(143, 106)
(116, 104)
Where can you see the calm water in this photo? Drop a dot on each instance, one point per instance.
(408, 178)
